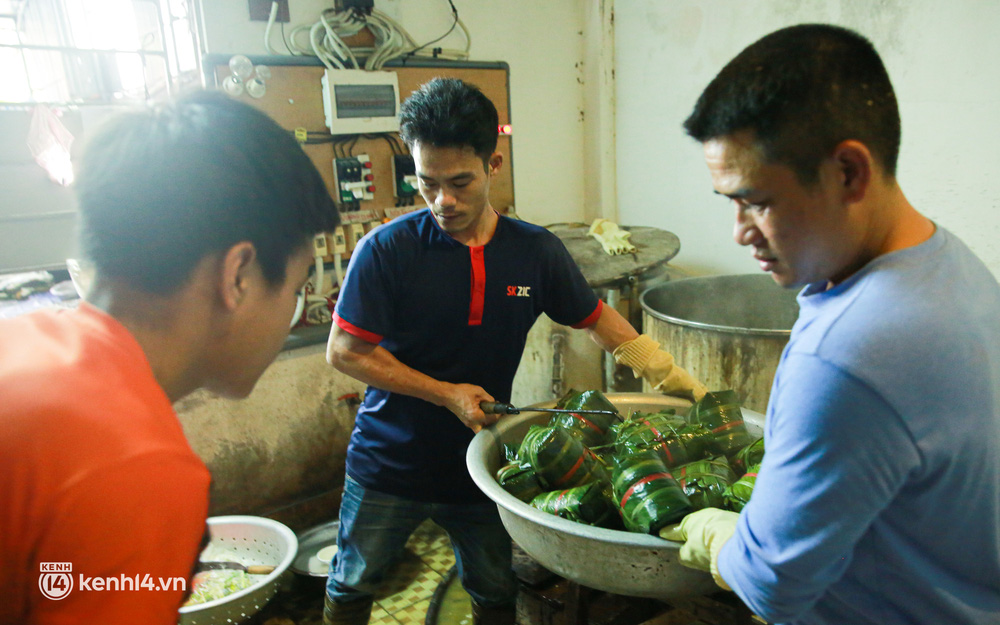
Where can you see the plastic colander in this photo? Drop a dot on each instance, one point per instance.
(254, 540)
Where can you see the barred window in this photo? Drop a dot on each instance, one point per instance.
(95, 51)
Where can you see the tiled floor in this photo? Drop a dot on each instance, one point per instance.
(406, 595)
(403, 599)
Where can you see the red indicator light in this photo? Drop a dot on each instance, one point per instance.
(367, 164)
(371, 188)
(369, 176)
(504, 129)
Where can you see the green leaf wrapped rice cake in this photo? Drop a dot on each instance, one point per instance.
(591, 504)
(646, 493)
(559, 459)
(705, 481)
(647, 427)
(748, 456)
(665, 465)
(737, 495)
(519, 479)
(676, 442)
(591, 429)
(719, 412)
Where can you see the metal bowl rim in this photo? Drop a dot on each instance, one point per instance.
(304, 537)
(701, 325)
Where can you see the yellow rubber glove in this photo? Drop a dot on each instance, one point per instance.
(657, 367)
(613, 239)
(703, 534)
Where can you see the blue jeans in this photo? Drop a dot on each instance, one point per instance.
(374, 528)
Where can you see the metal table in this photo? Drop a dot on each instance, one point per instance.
(654, 247)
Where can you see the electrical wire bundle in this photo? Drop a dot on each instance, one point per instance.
(391, 39)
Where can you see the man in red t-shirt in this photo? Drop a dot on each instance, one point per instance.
(197, 217)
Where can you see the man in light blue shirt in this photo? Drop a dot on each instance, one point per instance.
(878, 500)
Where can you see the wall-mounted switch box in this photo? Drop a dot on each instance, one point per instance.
(404, 176)
(354, 181)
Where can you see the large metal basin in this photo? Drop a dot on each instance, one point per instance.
(624, 563)
(727, 331)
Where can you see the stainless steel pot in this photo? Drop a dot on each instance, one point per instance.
(727, 331)
(624, 563)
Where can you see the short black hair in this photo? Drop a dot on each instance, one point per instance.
(162, 187)
(448, 112)
(801, 91)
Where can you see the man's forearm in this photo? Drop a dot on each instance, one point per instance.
(377, 367)
(611, 330)
(380, 369)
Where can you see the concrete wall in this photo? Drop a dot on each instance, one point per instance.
(939, 55)
(281, 451)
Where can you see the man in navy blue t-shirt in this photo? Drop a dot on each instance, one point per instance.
(433, 315)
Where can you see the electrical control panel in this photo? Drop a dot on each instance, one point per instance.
(404, 179)
(354, 180)
(360, 101)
